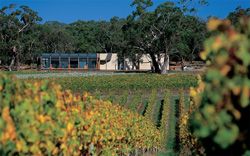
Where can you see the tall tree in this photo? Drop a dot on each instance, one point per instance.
(14, 24)
(164, 32)
(55, 38)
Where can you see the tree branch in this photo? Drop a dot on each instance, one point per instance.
(20, 30)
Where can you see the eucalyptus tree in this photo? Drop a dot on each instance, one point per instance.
(169, 27)
(55, 38)
(135, 37)
(83, 33)
(32, 46)
(139, 34)
(109, 36)
(193, 37)
(164, 32)
(180, 33)
(157, 31)
(14, 24)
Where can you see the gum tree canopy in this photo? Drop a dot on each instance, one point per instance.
(15, 23)
(166, 31)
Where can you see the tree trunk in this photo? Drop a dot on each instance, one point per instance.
(17, 62)
(138, 65)
(156, 68)
(182, 63)
(13, 59)
(12, 63)
(165, 66)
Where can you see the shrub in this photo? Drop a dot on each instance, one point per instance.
(182, 122)
(221, 121)
(149, 114)
(165, 119)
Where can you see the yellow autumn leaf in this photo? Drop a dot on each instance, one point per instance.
(19, 146)
(236, 90)
(193, 92)
(10, 130)
(217, 44)
(203, 55)
(70, 127)
(225, 69)
(41, 118)
(213, 24)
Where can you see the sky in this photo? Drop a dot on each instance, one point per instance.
(68, 11)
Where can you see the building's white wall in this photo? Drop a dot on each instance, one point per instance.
(112, 64)
(145, 62)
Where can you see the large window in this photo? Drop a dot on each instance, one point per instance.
(55, 62)
(92, 63)
(83, 62)
(45, 62)
(64, 62)
(73, 62)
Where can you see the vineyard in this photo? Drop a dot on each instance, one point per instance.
(119, 83)
(144, 114)
(136, 121)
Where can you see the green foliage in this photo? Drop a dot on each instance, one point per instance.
(136, 101)
(221, 121)
(158, 113)
(238, 13)
(165, 29)
(168, 124)
(16, 28)
(125, 82)
(141, 6)
(39, 118)
(149, 114)
(165, 119)
(182, 120)
(185, 143)
(123, 98)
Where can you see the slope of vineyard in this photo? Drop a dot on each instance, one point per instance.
(39, 118)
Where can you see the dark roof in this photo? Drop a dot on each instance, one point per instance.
(71, 55)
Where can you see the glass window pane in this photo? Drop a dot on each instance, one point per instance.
(55, 62)
(92, 64)
(83, 63)
(64, 62)
(45, 62)
(73, 62)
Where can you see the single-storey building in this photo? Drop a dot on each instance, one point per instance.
(91, 61)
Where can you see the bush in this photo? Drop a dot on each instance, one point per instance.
(40, 119)
(221, 121)
(149, 114)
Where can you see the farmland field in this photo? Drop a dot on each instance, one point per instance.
(92, 82)
(145, 94)
(156, 98)
(132, 91)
